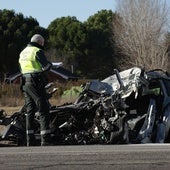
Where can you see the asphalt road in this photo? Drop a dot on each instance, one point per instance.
(87, 157)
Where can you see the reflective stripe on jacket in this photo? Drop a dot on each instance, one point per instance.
(28, 61)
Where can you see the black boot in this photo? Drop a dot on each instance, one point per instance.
(46, 140)
(31, 140)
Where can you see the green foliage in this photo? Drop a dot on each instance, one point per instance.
(88, 46)
(72, 93)
(68, 36)
(100, 46)
(15, 33)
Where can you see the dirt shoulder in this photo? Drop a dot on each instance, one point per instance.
(10, 110)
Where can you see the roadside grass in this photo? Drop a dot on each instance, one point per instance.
(12, 99)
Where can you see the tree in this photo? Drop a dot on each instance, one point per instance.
(88, 46)
(139, 32)
(100, 48)
(67, 37)
(15, 33)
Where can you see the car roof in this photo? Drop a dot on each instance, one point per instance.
(158, 74)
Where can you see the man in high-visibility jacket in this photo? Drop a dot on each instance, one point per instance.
(34, 64)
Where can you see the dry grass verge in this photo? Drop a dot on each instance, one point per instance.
(11, 110)
(12, 99)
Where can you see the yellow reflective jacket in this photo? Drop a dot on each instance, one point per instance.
(28, 62)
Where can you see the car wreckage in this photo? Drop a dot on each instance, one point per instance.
(131, 106)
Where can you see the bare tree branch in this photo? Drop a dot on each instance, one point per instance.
(140, 32)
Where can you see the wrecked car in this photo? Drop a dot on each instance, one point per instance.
(131, 106)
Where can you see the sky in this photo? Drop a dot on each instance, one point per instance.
(46, 11)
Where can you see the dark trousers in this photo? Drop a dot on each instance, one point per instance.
(36, 101)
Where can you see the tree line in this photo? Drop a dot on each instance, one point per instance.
(87, 47)
(107, 40)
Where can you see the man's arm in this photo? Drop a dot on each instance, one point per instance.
(46, 65)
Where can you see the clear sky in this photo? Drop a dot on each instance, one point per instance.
(45, 11)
